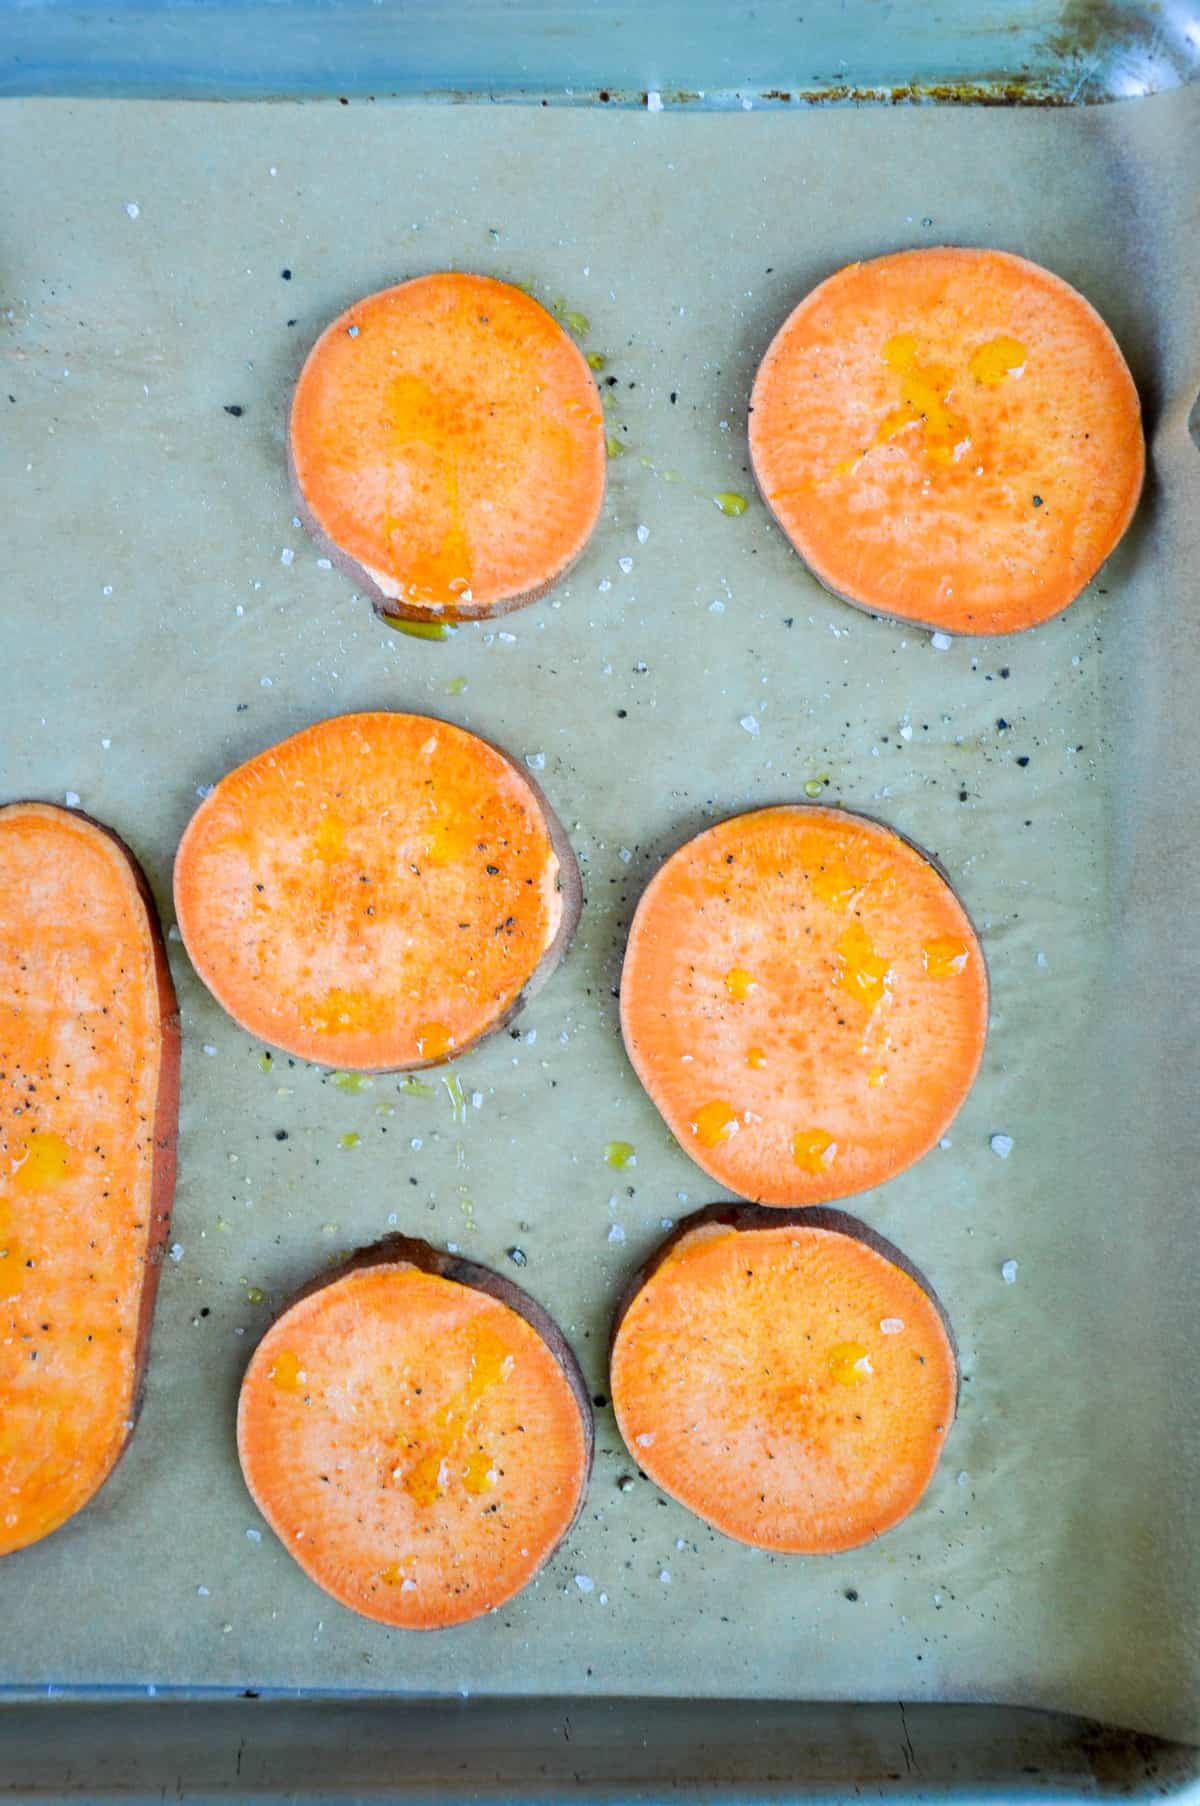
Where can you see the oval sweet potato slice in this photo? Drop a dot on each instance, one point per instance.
(446, 444)
(805, 1000)
(949, 436)
(791, 1378)
(417, 1432)
(89, 1106)
(378, 892)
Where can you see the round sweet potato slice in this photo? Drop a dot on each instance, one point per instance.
(790, 1378)
(378, 892)
(417, 1432)
(446, 445)
(804, 998)
(949, 436)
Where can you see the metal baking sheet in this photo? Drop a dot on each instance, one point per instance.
(164, 268)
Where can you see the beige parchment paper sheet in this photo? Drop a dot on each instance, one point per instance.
(163, 618)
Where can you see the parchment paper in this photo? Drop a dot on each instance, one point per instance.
(164, 618)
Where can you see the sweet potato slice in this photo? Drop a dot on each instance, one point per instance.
(805, 1000)
(789, 1378)
(417, 1432)
(949, 436)
(89, 1107)
(446, 444)
(378, 892)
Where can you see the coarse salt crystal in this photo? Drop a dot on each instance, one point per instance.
(625, 564)
(132, 209)
(716, 606)
(665, 1576)
(616, 1233)
(891, 1326)
(1008, 1272)
(654, 101)
(287, 555)
(72, 799)
(209, 1049)
(1001, 1146)
(254, 1536)
(941, 642)
(176, 1251)
(535, 761)
(585, 1583)
(643, 534)
(624, 855)
(750, 724)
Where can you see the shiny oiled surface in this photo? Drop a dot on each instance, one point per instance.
(805, 1000)
(949, 435)
(374, 892)
(413, 1442)
(447, 436)
(81, 1058)
(790, 1385)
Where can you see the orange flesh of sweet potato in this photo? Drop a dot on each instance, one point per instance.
(418, 1434)
(446, 439)
(791, 1381)
(377, 892)
(805, 1000)
(89, 1100)
(949, 436)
